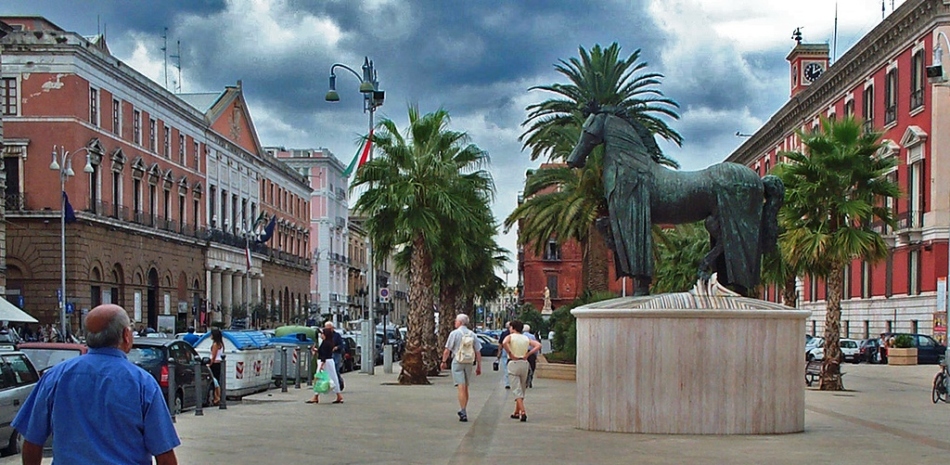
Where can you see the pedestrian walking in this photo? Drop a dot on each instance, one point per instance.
(99, 408)
(465, 349)
(533, 358)
(339, 348)
(502, 355)
(519, 348)
(217, 351)
(325, 355)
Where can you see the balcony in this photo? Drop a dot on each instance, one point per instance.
(916, 99)
(909, 225)
(15, 202)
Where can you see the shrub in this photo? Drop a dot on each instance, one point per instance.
(903, 341)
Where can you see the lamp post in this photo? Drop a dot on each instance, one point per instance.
(65, 171)
(372, 99)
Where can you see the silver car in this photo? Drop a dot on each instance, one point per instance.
(17, 379)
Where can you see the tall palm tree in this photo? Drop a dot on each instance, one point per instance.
(679, 251)
(601, 77)
(835, 190)
(422, 181)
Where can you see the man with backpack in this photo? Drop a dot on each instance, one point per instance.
(465, 350)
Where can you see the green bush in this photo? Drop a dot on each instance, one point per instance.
(903, 341)
(565, 325)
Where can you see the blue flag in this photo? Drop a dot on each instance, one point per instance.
(268, 230)
(69, 214)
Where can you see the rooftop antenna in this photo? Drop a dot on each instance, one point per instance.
(177, 58)
(797, 35)
(834, 47)
(98, 28)
(882, 9)
(165, 55)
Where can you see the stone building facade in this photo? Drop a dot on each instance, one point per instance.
(883, 81)
(146, 234)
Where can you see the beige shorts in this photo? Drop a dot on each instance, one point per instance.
(518, 377)
(462, 373)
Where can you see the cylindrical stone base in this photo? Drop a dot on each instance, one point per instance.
(715, 371)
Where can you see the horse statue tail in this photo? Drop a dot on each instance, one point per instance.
(774, 198)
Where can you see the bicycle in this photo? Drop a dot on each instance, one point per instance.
(941, 384)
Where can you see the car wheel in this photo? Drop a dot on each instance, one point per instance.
(15, 446)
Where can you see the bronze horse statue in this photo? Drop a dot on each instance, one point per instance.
(740, 209)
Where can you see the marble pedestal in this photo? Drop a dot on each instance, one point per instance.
(688, 364)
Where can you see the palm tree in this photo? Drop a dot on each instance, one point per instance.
(422, 181)
(835, 190)
(679, 251)
(601, 77)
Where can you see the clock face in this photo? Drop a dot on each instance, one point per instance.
(813, 71)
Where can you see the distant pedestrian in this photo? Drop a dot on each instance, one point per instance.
(519, 348)
(465, 349)
(99, 408)
(339, 348)
(190, 337)
(325, 355)
(217, 351)
(533, 358)
(502, 355)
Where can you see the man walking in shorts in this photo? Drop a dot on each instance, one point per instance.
(462, 370)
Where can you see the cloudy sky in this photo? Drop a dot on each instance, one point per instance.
(724, 60)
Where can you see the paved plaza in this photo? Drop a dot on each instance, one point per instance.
(885, 417)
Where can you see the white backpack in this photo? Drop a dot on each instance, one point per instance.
(466, 352)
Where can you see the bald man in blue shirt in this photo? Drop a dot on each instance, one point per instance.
(100, 407)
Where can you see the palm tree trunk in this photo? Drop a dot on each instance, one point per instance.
(420, 311)
(831, 365)
(790, 291)
(595, 268)
(447, 303)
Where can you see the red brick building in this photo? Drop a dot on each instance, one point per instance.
(883, 80)
(559, 268)
(145, 235)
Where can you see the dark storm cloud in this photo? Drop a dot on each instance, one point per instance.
(84, 16)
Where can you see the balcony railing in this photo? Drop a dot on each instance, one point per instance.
(868, 125)
(916, 98)
(910, 220)
(890, 114)
(15, 202)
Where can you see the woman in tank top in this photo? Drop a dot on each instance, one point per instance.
(217, 350)
(519, 348)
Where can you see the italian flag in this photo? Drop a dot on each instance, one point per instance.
(361, 156)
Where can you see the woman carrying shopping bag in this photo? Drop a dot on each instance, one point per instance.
(326, 379)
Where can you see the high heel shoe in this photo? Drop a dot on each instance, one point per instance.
(524, 417)
(515, 416)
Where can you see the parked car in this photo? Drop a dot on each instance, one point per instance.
(46, 354)
(849, 351)
(490, 345)
(153, 354)
(811, 344)
(395, 339)
(18, 376)
(867, 350)
(928, 349)
(351, 357)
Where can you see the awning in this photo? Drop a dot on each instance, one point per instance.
(10, 312)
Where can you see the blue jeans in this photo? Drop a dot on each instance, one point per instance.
(504, 365)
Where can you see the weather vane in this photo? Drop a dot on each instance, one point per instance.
(797, 35)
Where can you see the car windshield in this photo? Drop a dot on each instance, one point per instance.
(145, 355)
(848, 344)
(45, 358)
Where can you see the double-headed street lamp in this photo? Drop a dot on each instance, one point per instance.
(65, 171)
(372, 99)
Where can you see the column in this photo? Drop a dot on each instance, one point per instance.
(237, 289)
(256, 289)
(216, 292)
(227, 292)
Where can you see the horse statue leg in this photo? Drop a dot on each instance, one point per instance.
(707, 265)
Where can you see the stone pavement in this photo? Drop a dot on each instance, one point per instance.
(885, 417)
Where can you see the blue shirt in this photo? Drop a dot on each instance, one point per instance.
(190, 338)
(100, 408)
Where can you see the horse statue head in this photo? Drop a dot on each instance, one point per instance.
(594, 133)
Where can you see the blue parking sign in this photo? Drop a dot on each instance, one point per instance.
(70, 308)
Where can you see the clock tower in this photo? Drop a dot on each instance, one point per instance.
(807, 63)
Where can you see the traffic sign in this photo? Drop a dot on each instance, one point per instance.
(70, 308)
(384, 294)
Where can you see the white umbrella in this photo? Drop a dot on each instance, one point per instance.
(10, 312)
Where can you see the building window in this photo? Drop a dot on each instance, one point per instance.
(196, 154)
(9, 98)
(116, 194)
(849, 108)
(195, 214)
(847, 328)
(95, 197)
(116, 117)
(167, 211)
(151, 135)
(167, 143)
(867, 329)
(812, 289)
(917, 80)
(890, 97)
(865, 280)
(915, 328)
(913, 272)
(137, 127)
(94, 106)
(552, 285)
(867, 109)
(552, 251)
(152, 204)
(212, 208)
(181, 148)
(181, 212)
(915, 197)
(137, 198)
(846, 283)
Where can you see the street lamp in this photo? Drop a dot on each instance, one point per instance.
(372, 99)
(65, 171)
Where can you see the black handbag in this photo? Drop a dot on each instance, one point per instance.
(494, 365)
